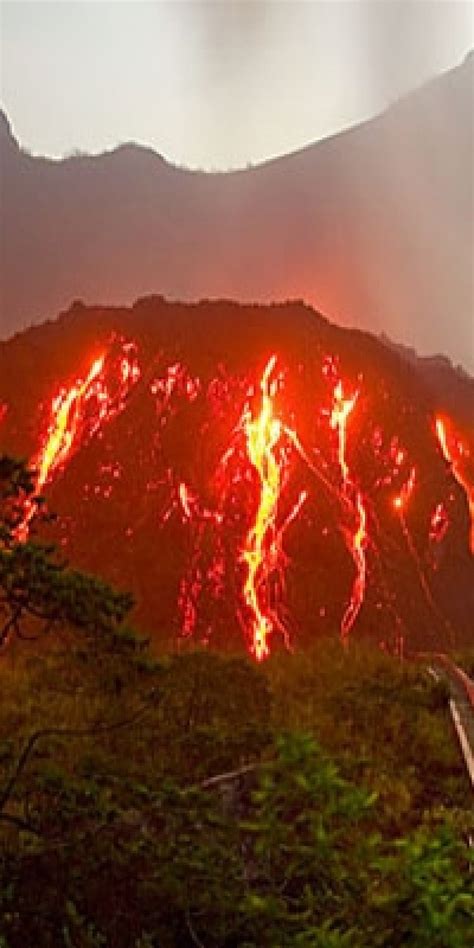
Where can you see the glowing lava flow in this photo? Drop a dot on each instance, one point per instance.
(260, 550)
(456, 455)
(342, 408)
(65, 416)
(252, 459)
(356, 540)
(67, 420)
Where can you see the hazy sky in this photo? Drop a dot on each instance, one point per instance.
(215, 84)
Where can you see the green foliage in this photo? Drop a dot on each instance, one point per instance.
(215, 713)
(385, 722)
(206, 821)
(429, 876)
(198, 799)
(38, 592)
(16, 486)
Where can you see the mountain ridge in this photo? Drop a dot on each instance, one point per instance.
(449, 385)
(467, 63)
(372, 226)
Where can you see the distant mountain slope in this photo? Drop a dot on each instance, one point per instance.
(373, 226)
(451, 388)
(252, 474)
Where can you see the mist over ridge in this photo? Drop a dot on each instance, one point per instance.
(372, 226)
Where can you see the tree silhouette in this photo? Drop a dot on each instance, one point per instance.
(38, 591)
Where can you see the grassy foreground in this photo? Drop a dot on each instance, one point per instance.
(199, 800)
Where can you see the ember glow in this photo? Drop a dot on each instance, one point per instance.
(400, 502)
(439, 523)
(457, 455)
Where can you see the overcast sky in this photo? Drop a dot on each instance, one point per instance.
(219, 84)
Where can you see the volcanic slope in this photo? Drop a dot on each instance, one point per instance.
(373, 225)
(256, 476)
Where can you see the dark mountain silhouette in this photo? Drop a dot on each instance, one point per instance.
(158, 492)
(373, 226)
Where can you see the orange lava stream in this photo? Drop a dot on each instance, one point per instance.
(63, 428)
(342, 408)
(358, 545)
(261, 549)
(457, 455)
(358, 538)
(62, 431)
(76, 412)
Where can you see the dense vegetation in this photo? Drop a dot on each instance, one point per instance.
(204, 801)
(199, 800)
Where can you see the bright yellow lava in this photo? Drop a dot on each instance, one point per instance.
(64, 425)
(262, 434)
(62, 430)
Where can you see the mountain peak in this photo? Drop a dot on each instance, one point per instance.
(7, 137)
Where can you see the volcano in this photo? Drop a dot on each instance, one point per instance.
(257, 476)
